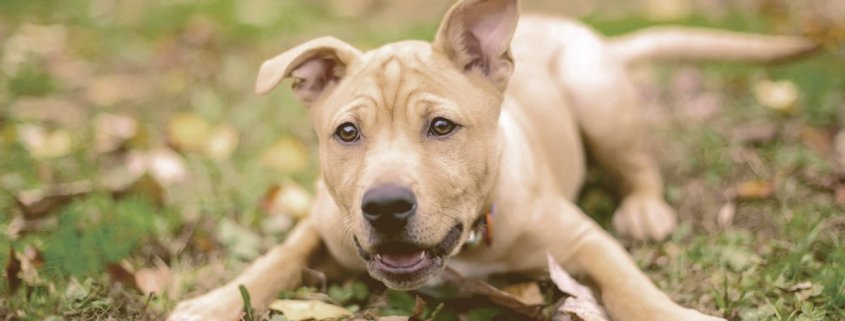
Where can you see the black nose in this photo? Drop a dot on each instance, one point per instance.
(388, 207)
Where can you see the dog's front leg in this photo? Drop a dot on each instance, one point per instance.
(278, 269)
(584, 248)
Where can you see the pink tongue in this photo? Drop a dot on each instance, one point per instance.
(408, 259)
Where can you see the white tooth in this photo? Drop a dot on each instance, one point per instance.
(422, 255)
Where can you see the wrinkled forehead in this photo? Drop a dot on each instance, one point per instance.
(391, 75)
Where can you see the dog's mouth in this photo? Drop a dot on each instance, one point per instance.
(403, 265)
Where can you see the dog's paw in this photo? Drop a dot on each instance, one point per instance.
(223, 304)
(645, 218)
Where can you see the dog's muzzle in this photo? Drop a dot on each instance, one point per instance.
(403, 265)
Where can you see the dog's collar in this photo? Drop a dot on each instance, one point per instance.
(482, 230)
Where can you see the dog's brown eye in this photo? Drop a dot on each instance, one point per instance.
(347, 132)
(441, 127)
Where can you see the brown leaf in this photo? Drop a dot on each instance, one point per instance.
(121, 274)
(502, 298)
(419, 307)
(13, 268)
(41, 202)
(526, 292)
(817, 139)
(756, 189)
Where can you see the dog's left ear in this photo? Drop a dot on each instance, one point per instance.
(476, 36)
(316, 67)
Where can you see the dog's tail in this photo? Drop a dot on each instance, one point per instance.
(682, 43)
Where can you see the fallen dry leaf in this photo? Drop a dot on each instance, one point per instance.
(287, 155)
(755, 189)
(526, 292)
(13, 268)
(165, 165)
(581, 305)
(42, 144)
(188, 132)
(31, 261)
(287, 199)
(502, 298)
(38, 203)
(781, 95)
(296, 310)
(122, 273)
(817, 139)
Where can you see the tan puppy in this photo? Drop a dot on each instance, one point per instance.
(418, 141)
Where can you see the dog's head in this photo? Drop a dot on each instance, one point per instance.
(408, 134)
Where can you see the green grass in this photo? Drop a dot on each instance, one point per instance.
(200, 57)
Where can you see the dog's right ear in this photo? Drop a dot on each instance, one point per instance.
(316, 66)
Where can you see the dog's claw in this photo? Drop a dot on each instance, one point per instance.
(222, 304)
(645, 218)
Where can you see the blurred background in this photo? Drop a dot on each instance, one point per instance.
(137, 167)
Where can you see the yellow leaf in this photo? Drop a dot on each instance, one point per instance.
(188, 132)
(42, 144)
(288, 156)
(755, 189)
(778, 95)
(526, 292)
(296, 310)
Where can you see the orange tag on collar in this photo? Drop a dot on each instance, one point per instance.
(488, 228)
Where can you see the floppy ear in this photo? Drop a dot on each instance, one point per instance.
(316, 67)
(476, 36)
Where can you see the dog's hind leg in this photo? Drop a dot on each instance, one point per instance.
(278, 269)
(607, 108)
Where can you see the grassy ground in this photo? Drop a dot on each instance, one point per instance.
(181, 202)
